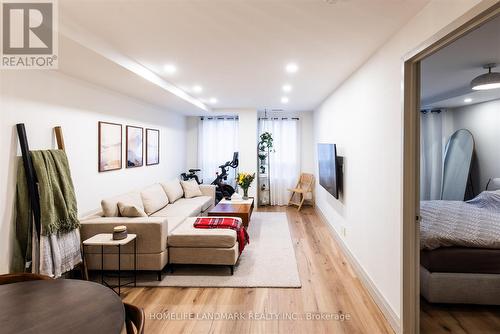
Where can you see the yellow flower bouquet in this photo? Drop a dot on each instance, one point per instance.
(244, 181)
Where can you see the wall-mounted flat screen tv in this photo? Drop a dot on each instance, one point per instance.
(327, 161)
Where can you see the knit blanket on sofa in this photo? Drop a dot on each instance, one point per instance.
(229, 223)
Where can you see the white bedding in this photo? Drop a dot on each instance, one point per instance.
(475, 223)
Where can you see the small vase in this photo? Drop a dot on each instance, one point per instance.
(245, 193)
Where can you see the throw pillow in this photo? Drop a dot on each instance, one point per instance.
(110, 205)
(130, 210)
(191, 189)
(173, 189)
(154, 198)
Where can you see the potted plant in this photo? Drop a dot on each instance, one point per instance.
(262, 158)
(244, 181)
(266, 142)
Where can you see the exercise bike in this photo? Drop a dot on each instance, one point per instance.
(223, 189)
(192, 175)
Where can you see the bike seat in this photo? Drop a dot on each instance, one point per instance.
(194, 170)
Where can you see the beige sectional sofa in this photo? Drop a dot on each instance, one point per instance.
(164, 228)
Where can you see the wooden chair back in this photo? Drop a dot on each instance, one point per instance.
(306, 182)
(21, 277)
(304, 186)
(134, 319)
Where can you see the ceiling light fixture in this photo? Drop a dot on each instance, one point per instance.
(490, 80)
(284, 99)
(287, 88)
(291, 67)
(213, 100)
(468, 100)
(197, 89)
(170, 68)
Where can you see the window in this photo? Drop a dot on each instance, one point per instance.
(217, 141)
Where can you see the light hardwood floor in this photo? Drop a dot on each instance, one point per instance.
(329, 286)
(459, 319)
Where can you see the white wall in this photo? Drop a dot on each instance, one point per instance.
(44, 99)
(307, 146)
(483, 121)
(247, 141)
(364, 118)
(192, 124)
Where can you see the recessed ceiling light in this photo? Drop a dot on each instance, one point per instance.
(287, 88)
(468, 100)
(213, 100)
(197, 89)
(170, 68)
(291, 67)
(284, 99)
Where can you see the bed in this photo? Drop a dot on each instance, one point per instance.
(460, 250)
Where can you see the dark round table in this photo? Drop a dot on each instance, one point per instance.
(60, 306)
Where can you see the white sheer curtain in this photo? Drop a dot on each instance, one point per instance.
(431, 155)
(285, 161)
(217, 141)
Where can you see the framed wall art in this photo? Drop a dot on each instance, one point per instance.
(152, 147)
(110, 146)
(134, 146)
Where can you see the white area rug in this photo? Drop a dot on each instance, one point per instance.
(268, 261)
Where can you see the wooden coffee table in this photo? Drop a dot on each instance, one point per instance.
(239, 208)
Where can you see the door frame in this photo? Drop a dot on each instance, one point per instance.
(410, 294)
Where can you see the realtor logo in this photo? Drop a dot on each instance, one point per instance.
(29, 34)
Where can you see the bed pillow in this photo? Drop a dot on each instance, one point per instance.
(130, 210)
(154, 198)
(191, 189)
(173, 189)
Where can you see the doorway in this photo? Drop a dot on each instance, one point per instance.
(471, 21)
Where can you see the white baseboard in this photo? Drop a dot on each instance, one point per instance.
(381, 302)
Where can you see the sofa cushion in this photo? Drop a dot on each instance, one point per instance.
(206, 255)
(204, 201)
(173, 222)
(186, 235)
(191, 189)
(154, 198)
(181, 208)
(151, 233)
(110, 205)
(173, 189)
(127, 210)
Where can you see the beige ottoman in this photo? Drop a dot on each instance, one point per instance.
(190, 245)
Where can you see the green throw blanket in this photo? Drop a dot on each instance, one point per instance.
(58, 209)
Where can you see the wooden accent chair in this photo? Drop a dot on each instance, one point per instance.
(134, 318)
(21, 277)
(304, 186)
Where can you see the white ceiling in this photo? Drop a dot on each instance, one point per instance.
(236, 50)
(447, 74)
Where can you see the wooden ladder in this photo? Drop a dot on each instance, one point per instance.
(34, 196)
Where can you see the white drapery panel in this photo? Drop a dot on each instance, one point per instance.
(431, 155)
(217, 141)
(285, 161)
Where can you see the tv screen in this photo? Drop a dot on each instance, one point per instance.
(327, 161)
